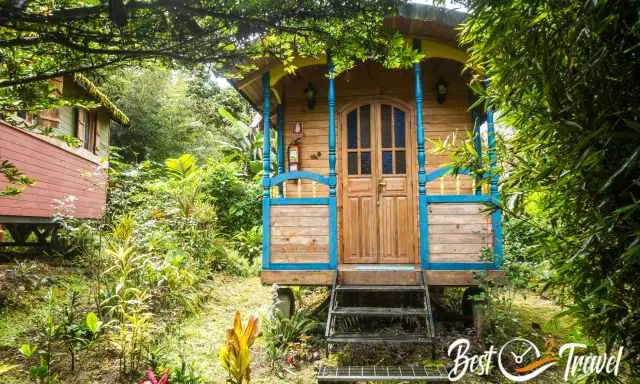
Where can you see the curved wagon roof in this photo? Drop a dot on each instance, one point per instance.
(434, 26)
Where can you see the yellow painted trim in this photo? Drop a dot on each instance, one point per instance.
(432, 48)
(279, 72)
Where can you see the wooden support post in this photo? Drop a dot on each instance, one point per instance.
(422, 175)
(333, 210)
(266, 171)
(280, 127)
(496, 217)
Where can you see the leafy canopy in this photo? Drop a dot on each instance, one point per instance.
(41, 39)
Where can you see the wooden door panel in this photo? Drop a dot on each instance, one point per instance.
(396, 229)
(369, 221)
(361, 187)
(405, 230)
(360, 230)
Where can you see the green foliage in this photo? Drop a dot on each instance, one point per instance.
(189, 213)
(249, 243)
(242, 144)
(44, 39)
(564, 74)
(185, 186)
(237, 202)
(41, 373)
(75, 336)
(209, 97)
(159, 109)
(185, 374)
(15, 181)
(279, 330)
(172, 112)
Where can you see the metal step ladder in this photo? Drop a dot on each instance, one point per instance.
(376, 373)
(336, 310)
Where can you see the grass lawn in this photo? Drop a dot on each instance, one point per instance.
(200, 336)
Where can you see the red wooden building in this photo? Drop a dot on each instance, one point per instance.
(68, 180)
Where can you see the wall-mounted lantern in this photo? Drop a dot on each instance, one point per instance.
(311, 95)
(441, 90)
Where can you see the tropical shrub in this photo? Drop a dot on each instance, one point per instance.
(235, 355)
(185, 374)
(237, 200)
(75, 335)
(279, 330)
(249, 243)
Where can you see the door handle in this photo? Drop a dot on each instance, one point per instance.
(381, 186)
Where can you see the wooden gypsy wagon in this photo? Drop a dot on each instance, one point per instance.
(358, 202)
(68, 180)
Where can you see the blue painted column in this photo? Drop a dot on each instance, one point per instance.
(477, 144)
(333, 210)
(423, 220)
(496, 217)
(266, 171)
(280, 127)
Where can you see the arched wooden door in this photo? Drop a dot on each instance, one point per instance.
(378, 223)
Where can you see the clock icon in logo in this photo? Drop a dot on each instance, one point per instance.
(520, 360)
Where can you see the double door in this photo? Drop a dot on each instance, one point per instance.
(378, 218)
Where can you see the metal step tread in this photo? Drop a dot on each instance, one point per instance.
(381, 288)
(379, 311)
(373, 338)
(373, 373)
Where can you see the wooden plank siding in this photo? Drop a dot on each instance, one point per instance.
(58, 172)
(300, 234)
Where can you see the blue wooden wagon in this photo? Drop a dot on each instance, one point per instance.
(358, 200)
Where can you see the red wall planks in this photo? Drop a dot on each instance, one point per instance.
(58, 174)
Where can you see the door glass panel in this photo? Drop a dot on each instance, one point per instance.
(401, 162)
(398, 122)
(365, 163)
(352, 159)
(365, 128)
(352, 130)
(387, 134)
(387, 162)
